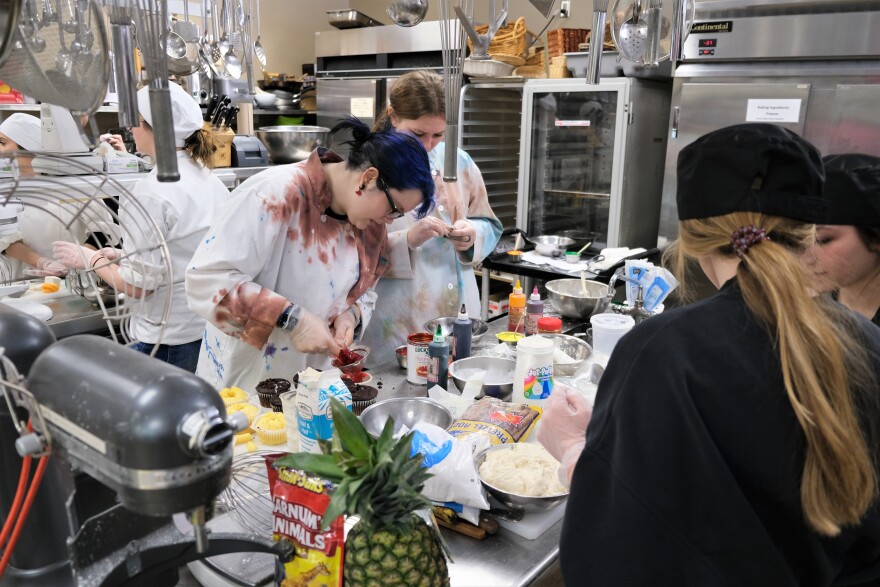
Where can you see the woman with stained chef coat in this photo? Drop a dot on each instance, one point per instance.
(182, 212)
(734, 440)
(846, 257)
(285, 274)
(431, 275)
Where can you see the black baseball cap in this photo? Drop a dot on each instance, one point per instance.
(852, 186)
(751, 168)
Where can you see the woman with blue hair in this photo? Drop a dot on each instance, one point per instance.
(297, 248)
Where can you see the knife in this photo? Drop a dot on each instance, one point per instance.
(218, 116)
(209, 109)
(230, 116)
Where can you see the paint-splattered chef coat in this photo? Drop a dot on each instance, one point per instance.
(271, 243)
(434, 279)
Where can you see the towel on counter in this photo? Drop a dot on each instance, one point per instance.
(612, 257)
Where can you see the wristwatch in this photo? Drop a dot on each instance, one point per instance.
(289, 317)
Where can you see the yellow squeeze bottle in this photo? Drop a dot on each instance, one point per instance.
(516, 312)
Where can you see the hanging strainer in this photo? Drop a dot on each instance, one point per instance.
(73, 208)
(629, 27)
(60, 59)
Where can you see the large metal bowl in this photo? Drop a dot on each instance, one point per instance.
(289, 144)
(478, 327)
(406, 411)
(512, 500)
(551, 246)
(568, 298)
(501, 370)
(574, 348)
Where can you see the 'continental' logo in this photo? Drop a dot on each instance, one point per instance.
(721, 26)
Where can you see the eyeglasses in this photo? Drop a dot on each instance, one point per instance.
(395, 211)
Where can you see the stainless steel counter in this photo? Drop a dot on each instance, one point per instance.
(74, 315)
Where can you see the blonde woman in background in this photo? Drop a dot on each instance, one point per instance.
(733, 440)
(183, 212)
(430, 275)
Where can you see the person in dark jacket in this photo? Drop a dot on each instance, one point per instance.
(846, 258)
(733, 440)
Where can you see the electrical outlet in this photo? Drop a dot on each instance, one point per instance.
(565, 9)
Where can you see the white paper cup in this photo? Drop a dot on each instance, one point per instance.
(608, 329)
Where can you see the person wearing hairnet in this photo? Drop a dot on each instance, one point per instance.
(285, 276)
(733, 440)
(846, 258)
(182, 212)
(26, 250)
(432, 258)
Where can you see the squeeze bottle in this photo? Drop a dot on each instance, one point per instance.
(438, 360)
(534, 312)
(462, 333)
(516, 312)
(533, 374)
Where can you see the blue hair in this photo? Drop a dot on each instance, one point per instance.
(400, 158)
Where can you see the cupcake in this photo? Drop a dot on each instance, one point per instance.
(270, 428)
(269, 388)
(250, 410)
(243, 437)
(362, 396)
(276, 404)
(233, 395)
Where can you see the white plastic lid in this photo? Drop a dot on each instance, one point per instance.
(613, 321)
(534, 343)
(535, 297)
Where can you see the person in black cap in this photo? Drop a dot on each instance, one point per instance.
(732, 440)
(847, 256)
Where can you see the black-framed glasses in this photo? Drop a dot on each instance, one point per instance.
(395, 211)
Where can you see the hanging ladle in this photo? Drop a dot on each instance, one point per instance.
(258, 47)
(632, 35)
(175, 46)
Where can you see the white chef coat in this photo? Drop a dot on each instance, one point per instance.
(182, 211)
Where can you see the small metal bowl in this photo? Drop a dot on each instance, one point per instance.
(462, 369)
(406, 411)
(574, 348)
(357, 365)
(478, 327)
(400, 354)
(551, 246)
(512, 500)
(568, 298)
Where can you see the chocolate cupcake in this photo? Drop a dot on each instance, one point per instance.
(362, 396)
(271, 388)
(275, 402)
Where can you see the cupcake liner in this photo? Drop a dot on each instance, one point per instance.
(271, 437)
(233, 395)
(357, 407)
(265, 399)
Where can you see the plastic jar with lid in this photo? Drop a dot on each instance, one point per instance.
(549, 325)
(533, 374)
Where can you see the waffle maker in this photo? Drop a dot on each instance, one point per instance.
(132, 441)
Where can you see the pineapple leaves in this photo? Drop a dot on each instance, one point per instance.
(320, 465)
(351, 432)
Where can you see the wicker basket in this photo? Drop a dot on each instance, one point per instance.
(536, 58)
(559, 68)
(561, 41)
(508, 40)
(607, 42)
(531, 71)
(514, 60)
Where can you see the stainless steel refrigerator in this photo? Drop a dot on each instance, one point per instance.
(810, 66)
(591, 159)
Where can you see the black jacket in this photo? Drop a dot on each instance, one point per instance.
(691, 472)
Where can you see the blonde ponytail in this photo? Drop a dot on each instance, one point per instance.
(823, 369)
(200, 146)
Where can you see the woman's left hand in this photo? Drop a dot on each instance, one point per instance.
(72, 255)
(343, 327)
(463, 227)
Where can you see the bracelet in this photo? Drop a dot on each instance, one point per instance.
(95, 261)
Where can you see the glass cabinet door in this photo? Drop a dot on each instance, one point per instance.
(572, 139)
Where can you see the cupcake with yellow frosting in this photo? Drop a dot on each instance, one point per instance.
(250, 410)
(233, 395)
(270, 428)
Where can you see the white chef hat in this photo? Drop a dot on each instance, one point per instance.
(185, 112)
(25, 130)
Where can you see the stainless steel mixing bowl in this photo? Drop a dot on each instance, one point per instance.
(501, 371)
(569, 299)
(406, 411)
(289, 144)
(512, 500)
(574, 348)
(551, 246)
(478, 327)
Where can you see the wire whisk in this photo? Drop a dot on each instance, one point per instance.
(452, 42)
(151, 17)
(247, 499)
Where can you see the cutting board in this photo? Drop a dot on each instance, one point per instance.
(533, 524)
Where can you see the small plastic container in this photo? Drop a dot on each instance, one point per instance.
(549, 325)
(572, 257)
(607, 330)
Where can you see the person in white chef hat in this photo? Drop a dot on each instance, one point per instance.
(182, 211)
(21, 254)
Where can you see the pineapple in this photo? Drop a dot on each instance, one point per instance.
(378, 481)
